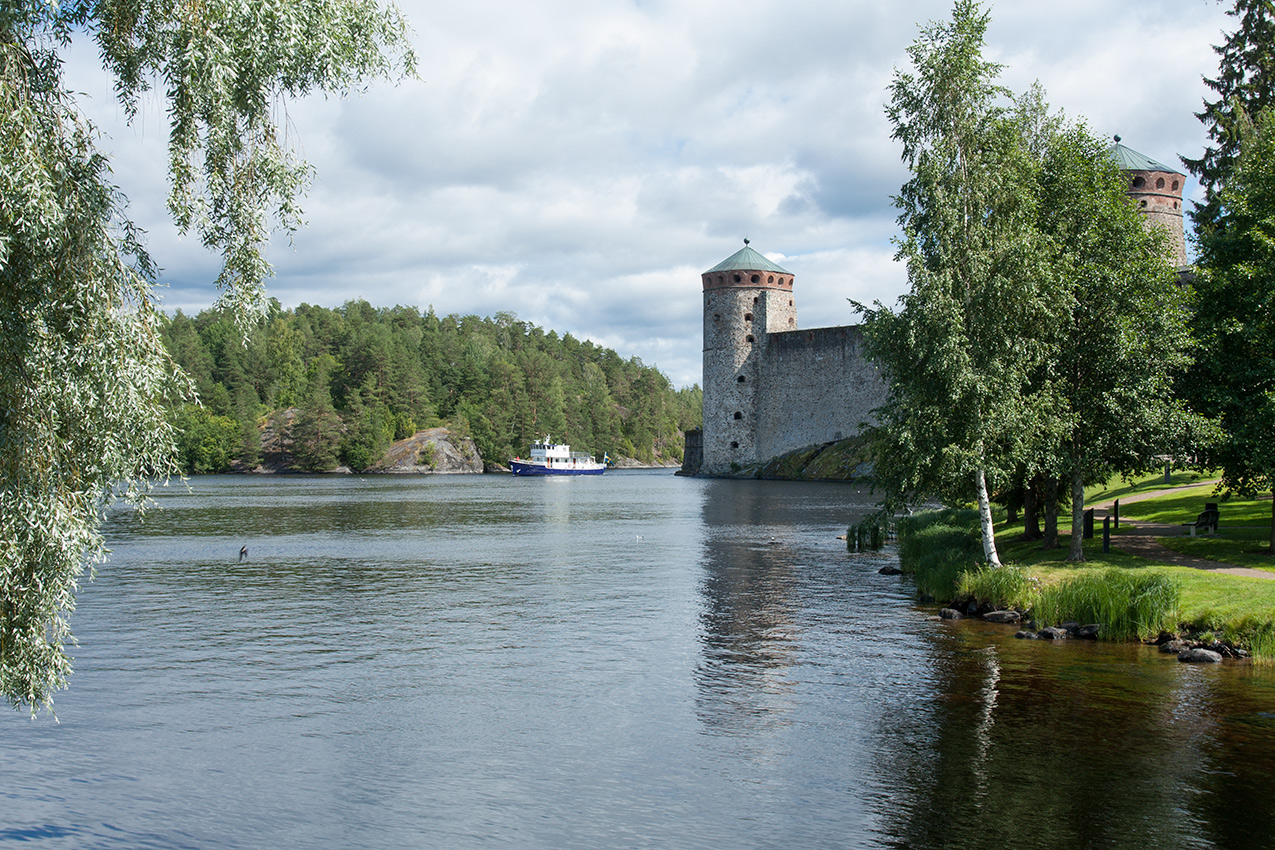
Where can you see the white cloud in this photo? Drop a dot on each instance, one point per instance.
(580, 163)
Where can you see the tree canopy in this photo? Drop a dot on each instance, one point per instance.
(85, 381)
(1245, 85)
(362, 376)
(1043, 326)
(1234, 376)
(954, 357)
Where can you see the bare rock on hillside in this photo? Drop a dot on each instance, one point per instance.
(435, 450)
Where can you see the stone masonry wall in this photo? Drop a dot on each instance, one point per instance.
(814, 387)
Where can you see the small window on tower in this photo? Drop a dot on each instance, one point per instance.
(741, 379)
(738, 415)
(1159, 183)
(1174, 186)
(738, 278)
(789, 302)
(748, 317)
(770, 278)
(1139, 182)
(734, 444)
(792, 321)
(717, 317)
(755, 278)
(754, 300)
(1142, 203)
(749, 338)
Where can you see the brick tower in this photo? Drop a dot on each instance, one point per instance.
(746, 298)
(1157, 190)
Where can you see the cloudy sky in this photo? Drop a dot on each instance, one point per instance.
(581, 162)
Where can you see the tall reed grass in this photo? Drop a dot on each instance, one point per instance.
(1127, 603)
(937, 547)
(1007, 586)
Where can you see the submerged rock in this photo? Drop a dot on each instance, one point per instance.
(1054, 633)
(1003, 617)
(950, 614)
(1200, 656)
(1024, 634)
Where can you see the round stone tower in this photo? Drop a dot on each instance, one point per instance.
(1157, 190)
(746, 298)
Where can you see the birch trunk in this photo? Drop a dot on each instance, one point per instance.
(985, 519)
(1077, 549)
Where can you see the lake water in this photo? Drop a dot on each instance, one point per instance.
(632, 660)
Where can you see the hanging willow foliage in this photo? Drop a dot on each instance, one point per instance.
(83, 371)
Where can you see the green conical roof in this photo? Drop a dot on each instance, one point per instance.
(1130, 160)
(746, 259)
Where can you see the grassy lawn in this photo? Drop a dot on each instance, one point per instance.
(1243, 533)
(1119, 489)
(1237, 608)
(1185, 505)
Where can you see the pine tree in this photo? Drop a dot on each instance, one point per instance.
(1245, 85)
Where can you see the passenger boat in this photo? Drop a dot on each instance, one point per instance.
(550, 458)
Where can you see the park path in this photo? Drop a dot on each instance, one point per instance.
(1144, 541)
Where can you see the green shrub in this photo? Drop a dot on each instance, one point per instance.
(1127, 604)
(1008, 586)
(937, 546)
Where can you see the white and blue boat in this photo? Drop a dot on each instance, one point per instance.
(550, 458)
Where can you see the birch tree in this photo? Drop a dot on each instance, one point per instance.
(83, 372)
(1120, 336)
(958, 352)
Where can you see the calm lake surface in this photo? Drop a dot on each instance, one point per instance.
(632, 660)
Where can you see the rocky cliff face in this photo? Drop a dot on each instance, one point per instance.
(435, 450)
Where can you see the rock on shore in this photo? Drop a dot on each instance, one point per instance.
(434, 450)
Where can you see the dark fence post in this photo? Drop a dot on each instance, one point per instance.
(1106, 534)
(1088, 533)
(1116, 524)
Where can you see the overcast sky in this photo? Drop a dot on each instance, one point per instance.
(581, 162)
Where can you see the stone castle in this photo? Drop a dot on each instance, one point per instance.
(771, 388)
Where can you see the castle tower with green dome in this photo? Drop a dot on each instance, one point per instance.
(1156, 189)
(770, 387)
(746, 298)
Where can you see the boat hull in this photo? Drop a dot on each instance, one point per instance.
(522, 467)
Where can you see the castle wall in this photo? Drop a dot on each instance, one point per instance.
(814, 387)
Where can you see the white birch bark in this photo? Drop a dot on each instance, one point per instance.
(985, 519)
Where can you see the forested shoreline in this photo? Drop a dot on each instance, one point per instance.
(359, 377)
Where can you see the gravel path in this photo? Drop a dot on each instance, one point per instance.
(1144, 541)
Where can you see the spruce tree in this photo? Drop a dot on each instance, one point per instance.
(1245, 85)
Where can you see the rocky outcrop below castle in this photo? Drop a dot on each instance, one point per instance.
(840, 460)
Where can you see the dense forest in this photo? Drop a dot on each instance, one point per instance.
(359, 377)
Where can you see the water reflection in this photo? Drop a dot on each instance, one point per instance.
(748, 621)
(755, 572)
(1034, 745)
(626, 661)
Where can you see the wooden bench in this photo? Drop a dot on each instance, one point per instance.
(1206, 521)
